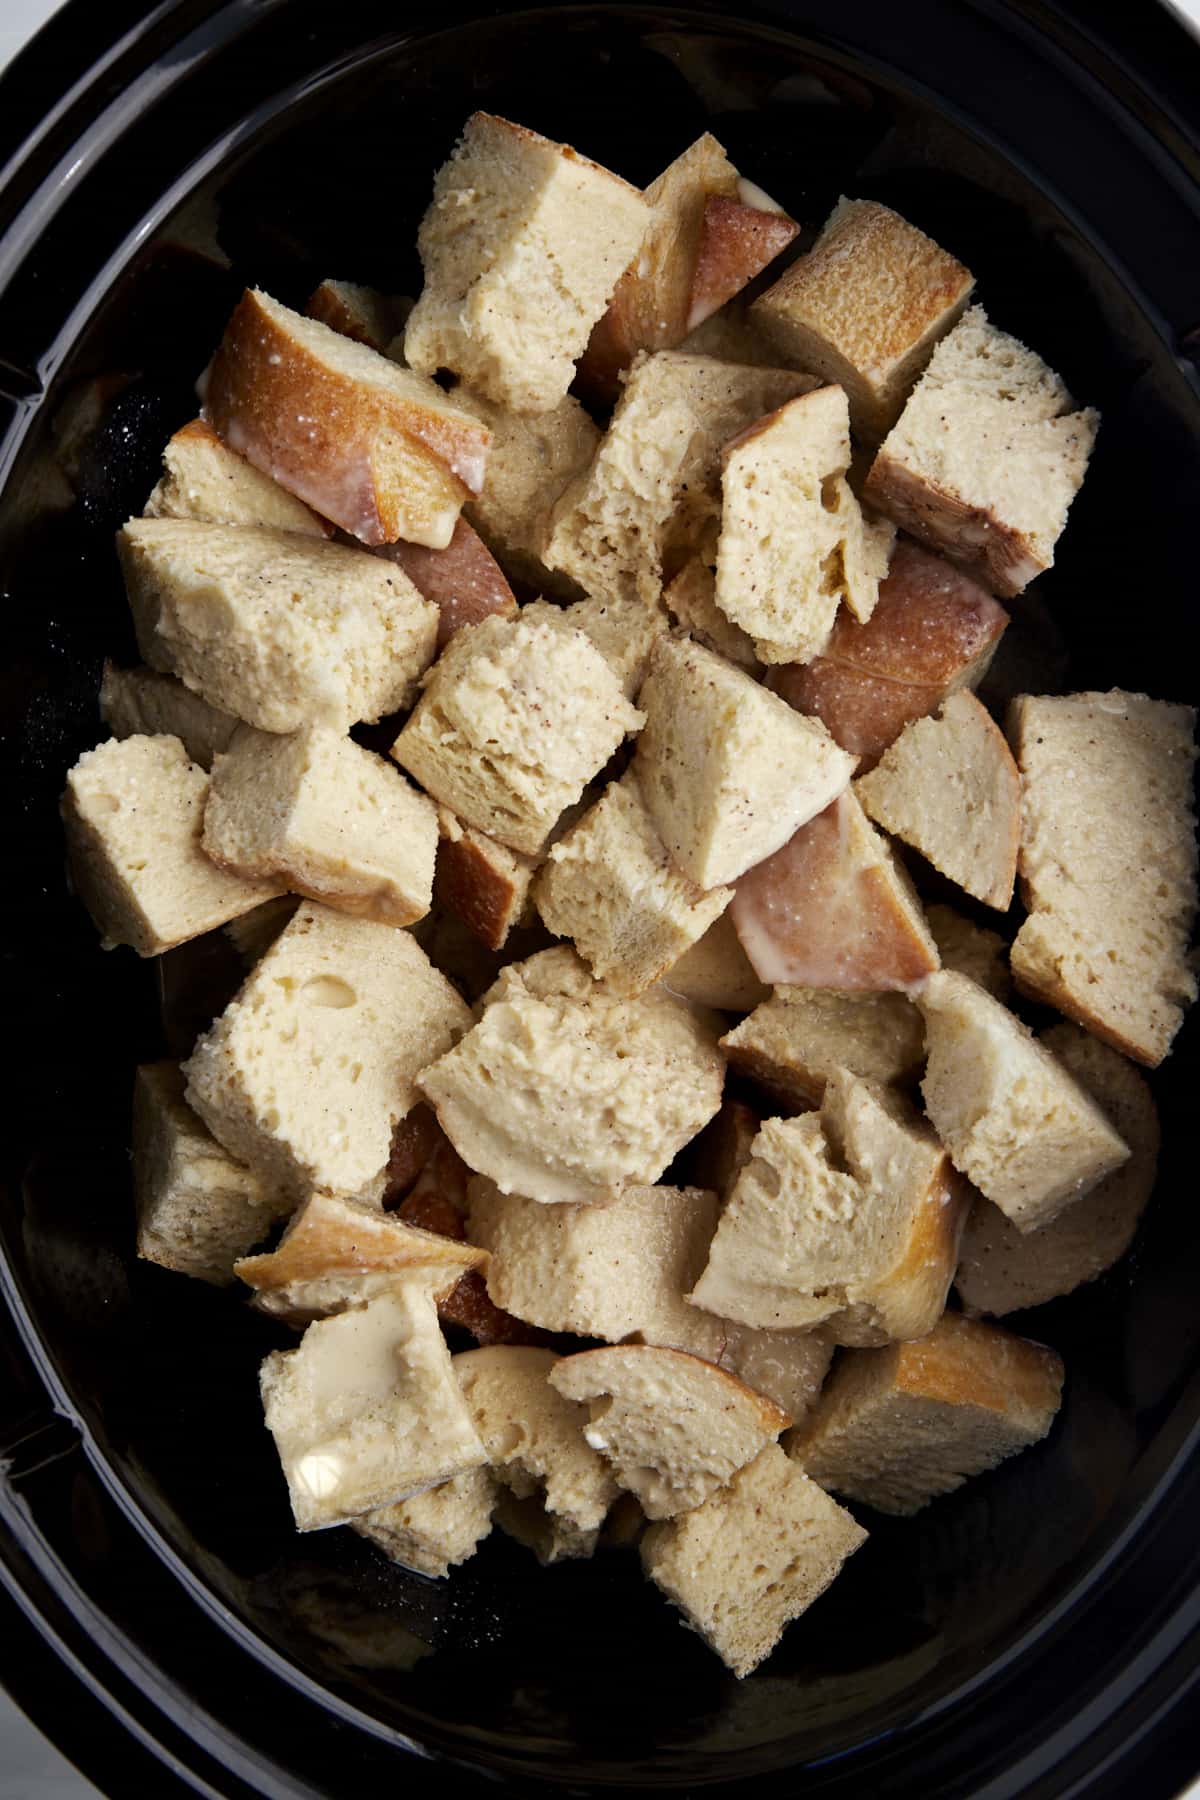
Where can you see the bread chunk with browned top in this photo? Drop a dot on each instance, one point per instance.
(797, 1039)
(483, 882)
(464, 581)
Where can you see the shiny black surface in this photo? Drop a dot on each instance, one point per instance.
(1019, 1637)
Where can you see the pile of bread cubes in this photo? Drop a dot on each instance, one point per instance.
(613, 840)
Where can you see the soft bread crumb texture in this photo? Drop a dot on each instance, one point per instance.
(142, 703)
(794, 1042)
(204, 479)
(971, 949)
(691, 600)
(433, 1531)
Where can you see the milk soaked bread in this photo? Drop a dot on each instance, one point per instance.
(971, 949)
(434, 1530)
(797, 1039)
(691, 600)
(142, 703)
(204, 479)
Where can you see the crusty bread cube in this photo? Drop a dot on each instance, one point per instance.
(464, 581)
(691, 600)
(279, 629)
(716, 972)
(307, 1071)
(142, 703)
(793, 545)
(971, 949)
(1012, 1117)
(849, 1219)
(728, 772)
(899, 1426)
(198, 1210)
(536, 1447)
(795, 1041)
(739, 235)
(207, 480)
(133, 811)
(610, 886)
(367, 1411)
(567, 1091)
(358, 312)
(933, 630)
(834, 909)
(338, 1253)
(986, 457)
(752, 1558)
(1108, 863)
(672, 1427)
(325, 817)
(949, 787)
(433, 1531)
(484, 882)
(516, 718)
(865, 308)
(381, 451)
(653, 486)
(1003, 1270)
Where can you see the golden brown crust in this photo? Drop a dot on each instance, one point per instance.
(736, 244)
(966, 1362)
(484, 884)
(770, 1418)
(413, 1142)
(340, 1238)
(972, 537)
(464, 580)
(926, 1270)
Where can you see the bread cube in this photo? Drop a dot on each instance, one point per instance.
(727, 771)
(752, 1558)
(522, 246)
(849, 1220)
(198, 1210)
(1002, 1269)
(358, 312)
(381, 451)
(624, 632)
(567, 1091)
(516, 718)
(899, 1426)
(949, 787)
(834, 909)
(797, 1039)
(280, 630)
(986, 457)
(307, 1071)
(1012, 1117)
(133, 810)
(865, 308)
(793, 545)
(740, 234)
(464, 581)
(716, 972)
(482, 881)
(142, 703)
(610, 886)
(367, 1411)
(1108, 863)
(673, 1428)
(437, 1529)
(325, 817)
(971, 949)
(204, 479)
(691, 600)
(653, 486)
(933, 631)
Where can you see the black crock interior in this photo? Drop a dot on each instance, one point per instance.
(295, 141)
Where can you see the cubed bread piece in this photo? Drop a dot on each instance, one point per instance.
(849, 1220)
(727, 771)
(367, 1411)
(899, 1426)
(142, 703)
(834, 909)
(703, 244)
(865, 308)
(1108, 863)
(482, 881)
(567, 1091)
(793, 546)
(381, 451)
(464, 581)
(1003, 1270)
(307, 1071)
(654, 483)
(278, 629)
(610, 886)
(198, 1210)
(752, 1558)
(933, 631)
(339, 1253)
(133, 811)
(325, 817)
(516, 718)
(1015, 1121)
(971, 949)
(795, 1041)
(624, 631)
(358, 312)
(717, 1157)
(535, 1442)
(207, 480)
(949, 787)
(437, 1529)
(691, 600)
(622, 1271)
(672, 1427)
(986, 457)
(522, 245)
(716, 972)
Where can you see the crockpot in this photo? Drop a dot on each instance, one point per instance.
(1037, 1633)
